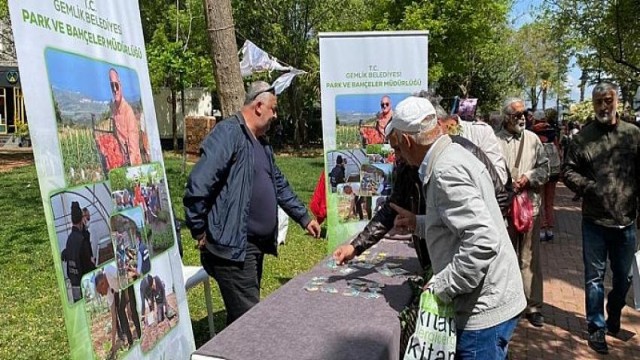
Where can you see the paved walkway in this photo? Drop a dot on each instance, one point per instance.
(565, 332)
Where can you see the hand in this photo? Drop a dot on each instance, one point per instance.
(428, 287)
(521, 183)
(313, 228)
(344, 253)
(405, 222)
(201, 244)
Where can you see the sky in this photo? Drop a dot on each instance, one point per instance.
(365, 103)
(524, 11)
(87, 76)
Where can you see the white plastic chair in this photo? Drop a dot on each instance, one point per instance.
(193, 275)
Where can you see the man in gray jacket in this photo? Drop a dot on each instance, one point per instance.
(474, 264)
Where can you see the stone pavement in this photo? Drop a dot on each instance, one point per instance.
(565, 332)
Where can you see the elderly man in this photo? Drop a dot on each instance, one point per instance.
(407, 190)
(529, 169)
(602, 167)
(127, 125)
(231, 201)
(474, 264)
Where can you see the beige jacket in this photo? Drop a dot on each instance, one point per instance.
(534, 163)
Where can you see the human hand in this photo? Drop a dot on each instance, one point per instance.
(521, 183)
(344, 253)
(405, 221)
(313, 228)
(202, 242)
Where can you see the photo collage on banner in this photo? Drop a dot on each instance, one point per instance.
(357, 105)
(101, 173)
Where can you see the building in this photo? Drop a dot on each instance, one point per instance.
(12, 110)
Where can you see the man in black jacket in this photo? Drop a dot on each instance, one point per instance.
(407, 194)
(231, 201)
(602, 167)
(77, 253)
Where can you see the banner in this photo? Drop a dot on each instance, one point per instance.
(97, 151)
(363, 76)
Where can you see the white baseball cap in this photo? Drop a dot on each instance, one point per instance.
(409, 115)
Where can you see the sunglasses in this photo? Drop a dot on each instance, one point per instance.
(384, 105)
(115, 86)
(517, 115)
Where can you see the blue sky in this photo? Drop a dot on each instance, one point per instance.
(365, 103)
(87, 76)
(524, 11)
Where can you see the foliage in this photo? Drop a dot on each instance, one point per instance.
(82, 162)
(22, 130)
(582, 112)
(605, 36)
(118, 179)
(542, 61)
(177, 46)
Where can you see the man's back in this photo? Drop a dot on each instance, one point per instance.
(473, 260)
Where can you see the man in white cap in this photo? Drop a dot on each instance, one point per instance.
(474, 264)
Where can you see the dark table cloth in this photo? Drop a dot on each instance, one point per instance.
(293, 323)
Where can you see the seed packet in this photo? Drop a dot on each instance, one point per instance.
(351, 292)
(331, 264)
(370, 295)
(311, 287)
(385, 271)
(347, 270)
(329, 289)
(365, 265)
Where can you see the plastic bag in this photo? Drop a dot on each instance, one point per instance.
(522, 212)
(435, 332)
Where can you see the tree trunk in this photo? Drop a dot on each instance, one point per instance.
(544, 99)
(224, 52)
(174, 119)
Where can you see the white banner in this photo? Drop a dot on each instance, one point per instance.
(95, 140)
(363, 76)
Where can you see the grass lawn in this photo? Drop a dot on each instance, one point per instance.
(31, 323)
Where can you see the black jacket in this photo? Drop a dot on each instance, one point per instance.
(602, 166)
(218, 191)
(407, 193)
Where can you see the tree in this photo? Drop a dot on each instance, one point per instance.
(605, 36)
(224, 52)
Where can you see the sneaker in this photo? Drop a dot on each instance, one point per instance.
(549, 235)
(536, 319)
(598, 342)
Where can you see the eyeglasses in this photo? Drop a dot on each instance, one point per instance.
(517, 115)
(384, 105)
(115, 86)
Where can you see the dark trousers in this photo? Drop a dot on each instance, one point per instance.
(598, 243)
(122, 299)
(239, 282)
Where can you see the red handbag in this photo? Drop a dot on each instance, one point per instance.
(522, 212)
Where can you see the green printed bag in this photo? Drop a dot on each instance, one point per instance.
(435, 334)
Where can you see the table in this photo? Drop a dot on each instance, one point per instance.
(293, 323)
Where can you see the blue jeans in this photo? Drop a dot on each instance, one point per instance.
(485, 344)
(620, 245)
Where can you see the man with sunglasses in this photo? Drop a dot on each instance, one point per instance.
(529, 167)
(231, 200)
(126, 123)
(384, 115)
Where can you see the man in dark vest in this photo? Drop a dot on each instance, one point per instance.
(77, 254)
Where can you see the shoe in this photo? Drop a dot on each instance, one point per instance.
(536, 319)
(549, 235)
(598, 342)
